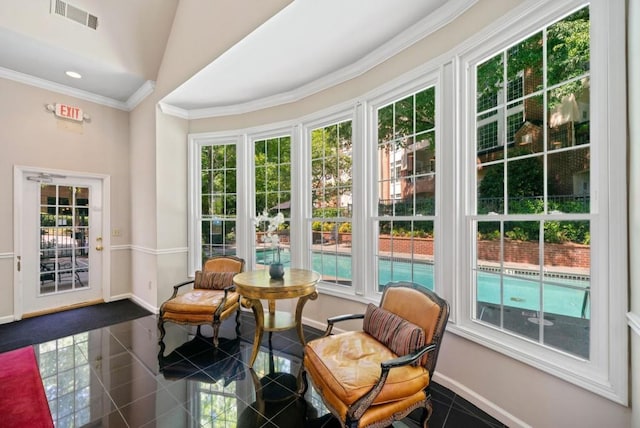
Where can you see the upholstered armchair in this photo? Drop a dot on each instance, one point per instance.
(212, 299)
(372, 377)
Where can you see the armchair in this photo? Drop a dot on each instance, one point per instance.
(373, 377)
(212, 299)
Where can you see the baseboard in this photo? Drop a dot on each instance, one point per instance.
(478, 400)
(140, 302)
(315, 324)
(7, 319)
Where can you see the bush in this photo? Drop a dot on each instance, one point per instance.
(345, 228)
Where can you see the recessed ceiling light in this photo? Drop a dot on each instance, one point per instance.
(73, 74)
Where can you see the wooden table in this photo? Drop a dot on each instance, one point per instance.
(257, 285)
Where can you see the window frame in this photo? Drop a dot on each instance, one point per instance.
(342, 113)
(605, 373)
(420, 79)
(251, 140)
(194, 223)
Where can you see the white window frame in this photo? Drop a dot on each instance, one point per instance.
(194, 223)
(346, 112)
(418, 80)
(258, 135)
(605, 373)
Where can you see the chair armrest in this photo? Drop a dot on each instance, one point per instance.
(407, 359)
(177, 286)
(357, 409)
(223, 301)
(339, 318)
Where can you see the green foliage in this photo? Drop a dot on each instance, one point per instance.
(316, 225)
(567, 57)
(396, 120)
(345, 228)
(567, 231)
(272, 158)
(331, 163)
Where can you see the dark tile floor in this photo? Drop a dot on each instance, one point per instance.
(116, 377)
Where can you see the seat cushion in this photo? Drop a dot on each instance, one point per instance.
(348, 364)
(213, 280)
(198, 302)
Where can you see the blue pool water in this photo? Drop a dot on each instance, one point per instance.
(521, 292)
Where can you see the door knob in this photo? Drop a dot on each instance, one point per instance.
(99, 247)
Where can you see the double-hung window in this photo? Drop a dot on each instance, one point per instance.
(331, 150)
(272, 184)
(406, 189)
(218, 199)
(535, 241)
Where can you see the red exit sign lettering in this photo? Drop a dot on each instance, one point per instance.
(69, 112)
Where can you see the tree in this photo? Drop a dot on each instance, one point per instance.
(331, 163)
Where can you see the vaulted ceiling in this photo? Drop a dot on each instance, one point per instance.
(308, 46)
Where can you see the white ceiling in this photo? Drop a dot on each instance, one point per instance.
(308, 46)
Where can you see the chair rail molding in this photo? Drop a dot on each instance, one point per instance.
(634, 322)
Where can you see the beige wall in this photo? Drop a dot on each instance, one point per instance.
(515, 393)
(200, 33)
(147, 162)
(32, 136)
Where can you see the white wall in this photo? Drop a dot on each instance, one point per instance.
(633, 81)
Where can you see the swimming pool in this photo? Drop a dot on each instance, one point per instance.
(560, 296)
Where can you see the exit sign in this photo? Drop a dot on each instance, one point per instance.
(69, 112)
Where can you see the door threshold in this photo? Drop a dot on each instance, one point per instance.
(62, 308)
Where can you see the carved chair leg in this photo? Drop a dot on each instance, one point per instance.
(303, 384)
(216, 330)
(161, 328)
(238, 322)
(426, 413)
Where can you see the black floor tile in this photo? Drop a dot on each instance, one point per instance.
(117, 376)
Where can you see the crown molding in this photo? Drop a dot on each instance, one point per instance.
(138, 96)
(142, 92)
(174, 111)
(428, 25)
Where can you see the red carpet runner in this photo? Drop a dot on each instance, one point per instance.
(23, 402)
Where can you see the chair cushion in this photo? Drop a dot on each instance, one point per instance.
(400, 335)
(213, 280)
(348, 364)
(198, 302)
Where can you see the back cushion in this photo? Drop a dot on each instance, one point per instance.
(398, 334)
(213, 280)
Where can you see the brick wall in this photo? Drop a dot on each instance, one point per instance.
(569, 255)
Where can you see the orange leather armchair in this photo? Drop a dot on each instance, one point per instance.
(212, 299)
(373, 377)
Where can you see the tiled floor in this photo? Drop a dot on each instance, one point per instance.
(116, 377)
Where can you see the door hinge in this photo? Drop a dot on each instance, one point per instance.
(19, 263)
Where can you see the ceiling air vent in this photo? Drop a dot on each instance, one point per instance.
(73, 13)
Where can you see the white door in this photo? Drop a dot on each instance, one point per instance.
(60, 252)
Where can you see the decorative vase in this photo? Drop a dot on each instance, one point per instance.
(276, 270)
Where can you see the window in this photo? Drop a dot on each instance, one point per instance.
(218, 199)
(272, 160)
(406, 195)
(532, 260)
(331, 201)
(539, 281)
